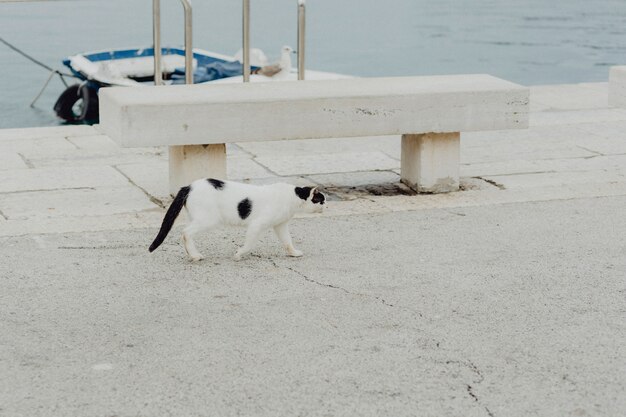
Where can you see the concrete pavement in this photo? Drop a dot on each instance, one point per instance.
(504, 299)
(507, 310)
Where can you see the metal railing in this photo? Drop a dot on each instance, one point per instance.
(246, 39)
(301, 34)
(156, 35)
(188, 42)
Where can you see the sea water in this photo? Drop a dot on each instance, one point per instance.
(526, 41)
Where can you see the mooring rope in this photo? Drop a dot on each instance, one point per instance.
(41, 64)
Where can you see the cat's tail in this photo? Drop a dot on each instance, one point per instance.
(171, 215)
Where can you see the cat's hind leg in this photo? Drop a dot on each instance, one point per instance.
(190, 246)
(282, 231)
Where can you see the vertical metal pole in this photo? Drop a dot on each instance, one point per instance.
(246, 41)
(188, 42)
(301, 35)
(156, 36)
(183, 159)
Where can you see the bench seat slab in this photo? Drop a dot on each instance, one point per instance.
(200, 114)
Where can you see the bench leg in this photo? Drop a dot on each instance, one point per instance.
(430, 162)
(191, 162)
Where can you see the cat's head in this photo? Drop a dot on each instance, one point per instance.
(313, 201)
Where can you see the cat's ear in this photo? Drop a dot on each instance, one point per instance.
(303, 192)
(317, 197)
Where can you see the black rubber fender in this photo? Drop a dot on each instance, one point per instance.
(86, 111)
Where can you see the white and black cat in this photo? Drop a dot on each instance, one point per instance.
(210, 202)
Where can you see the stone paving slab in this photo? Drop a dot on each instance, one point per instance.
(301, 181)
(555, 179)
(82, 153)
(11, 160)
(235, 150)
(245, 167)
(100, 143)
(574, 138)
(484, 196)
(152, 177)
(386, 144)
(531, 137)
(353, 179)
(569, 96)
(79, 150)
(514, 167)
(21, 180)
(47, 132)
(608, 139)
(488, 197)
(40, 146)
(518, 149)
(545, 142)
(102, 201)
(567, 117)
(76, 224)
(326, 163)
(80, 158)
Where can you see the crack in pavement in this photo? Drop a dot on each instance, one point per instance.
(152, 198)
(67, 139)
(471, 394)
(26, 161)
(470, 389)
(468, 364)
(265, 167)
(335, 287)
(492, 182)
(592, 151)
(471, 366)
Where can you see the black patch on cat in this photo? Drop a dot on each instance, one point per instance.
(303, 192)
(244, 208)
(318, 198)
(217, 184)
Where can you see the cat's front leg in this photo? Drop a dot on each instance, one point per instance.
(282, 231)
(252, 235)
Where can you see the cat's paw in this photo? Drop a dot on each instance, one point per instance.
(295, 253)
(196, 258)
(238, 256)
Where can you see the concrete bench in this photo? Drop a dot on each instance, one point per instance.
(617, 86)
(429, 112)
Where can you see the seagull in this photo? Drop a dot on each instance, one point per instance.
(279, 70)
